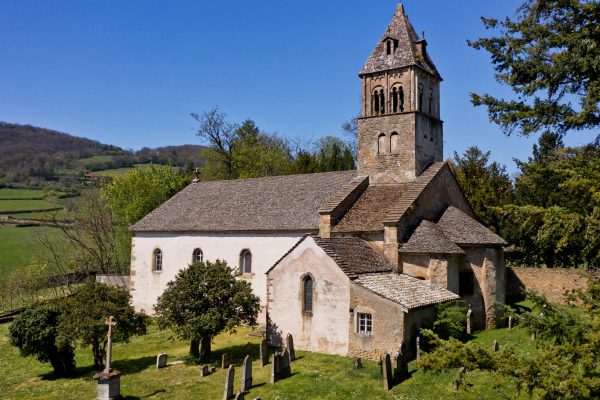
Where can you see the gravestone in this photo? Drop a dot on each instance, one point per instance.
(469, 324)
(418, 347)
(228, 392)
(401, 372)
(358, 363)
(286, 364)
(290, 346)
(239, 396)
(204, 371)
(246, 374)
(495, 346)
(459, 379)
(533, 336)
(275, 367)
(387, 372)
(161, 360)
(225, 360)
(264, 357)
(510, 322)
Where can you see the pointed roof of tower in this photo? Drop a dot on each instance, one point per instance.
(405, 54)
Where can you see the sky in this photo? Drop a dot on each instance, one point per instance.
(129, 73)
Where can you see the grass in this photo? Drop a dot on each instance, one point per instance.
(120, 171)
(60, 215)
(18, 245)
(8, 193)
(24, 205)
(315, 376)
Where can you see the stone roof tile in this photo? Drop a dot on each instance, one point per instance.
(406, 54)
(405, 290)
(276, 203)
(427, 238)
(461, 229)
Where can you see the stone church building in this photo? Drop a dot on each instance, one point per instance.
(349, 262)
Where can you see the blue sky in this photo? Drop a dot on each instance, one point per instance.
(129, 73)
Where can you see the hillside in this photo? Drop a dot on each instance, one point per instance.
(28, 152)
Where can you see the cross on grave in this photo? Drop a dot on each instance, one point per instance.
(110, 321)
(469, 324)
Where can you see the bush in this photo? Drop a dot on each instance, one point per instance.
(34, 332)
(450, 321)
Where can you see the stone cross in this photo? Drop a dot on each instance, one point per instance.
(495, 346)
(469, 325)
(246, 374)
(228, 392)
(418, 347)
(264, 357)
(387, 372)
(290, 346)
(510, 322)
(110, 321)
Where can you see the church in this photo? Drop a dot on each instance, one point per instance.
(351, 262)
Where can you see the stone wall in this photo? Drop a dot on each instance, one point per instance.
(387, 324)
(324, 328)
(550, 282)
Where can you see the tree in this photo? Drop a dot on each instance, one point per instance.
(34, 332)
(204, 300)
(84, 316)
(549, 56)
(450, 321)
(565, 362)
(132, 196)
(484, 184)
(239, 150)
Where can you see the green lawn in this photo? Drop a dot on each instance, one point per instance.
(18, 245)
(8, 193)
(46, 216)
(315, 376)
(120, 171)
(19, 205)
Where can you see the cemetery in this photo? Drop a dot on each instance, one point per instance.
(152, 366)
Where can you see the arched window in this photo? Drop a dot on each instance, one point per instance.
(381, 144)
(401, 98)
(381, 102)
(197, 256)
(307, 294)
(157, 259)
(375, 99)
(394, 143)
(430, 101)
(245, 262)
(394, 100)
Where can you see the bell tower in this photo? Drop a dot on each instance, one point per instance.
(399, 131)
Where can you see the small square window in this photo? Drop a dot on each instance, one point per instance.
(365, 324)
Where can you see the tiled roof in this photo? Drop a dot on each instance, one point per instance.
(405, 290)
(427, 238)
(277, 203)
(413, 192)
(369, 211)
(353, 255)
(406, 54)
(461, 229)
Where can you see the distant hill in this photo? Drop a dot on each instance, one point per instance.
(28, 152)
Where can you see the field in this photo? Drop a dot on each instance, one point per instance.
(18, 245)
(315, 376)
(119, 171)
(8, 193)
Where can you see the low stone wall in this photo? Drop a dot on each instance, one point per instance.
(550, 282)
(121, 281)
